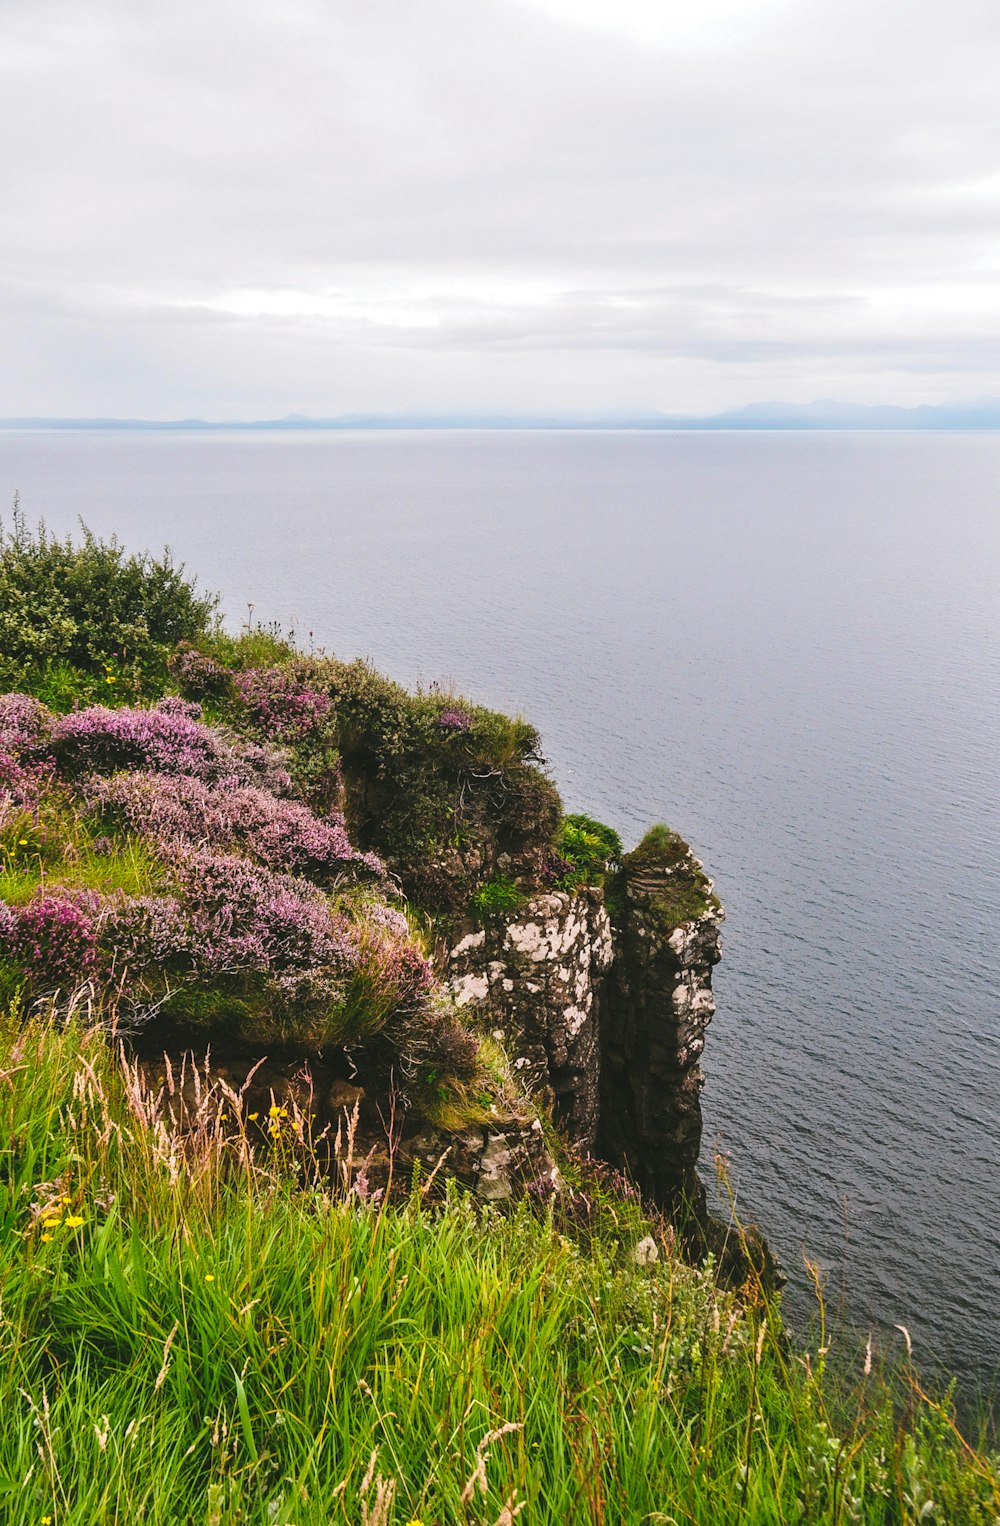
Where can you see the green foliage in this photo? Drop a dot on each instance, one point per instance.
(200, 1331)
(255, 646)
(589, 850)
(85, 620)
(660, 846)
(497, 898)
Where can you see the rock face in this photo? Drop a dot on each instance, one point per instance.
(658, 1004)
(307, 1100)
(606, 1025)
(539, 976)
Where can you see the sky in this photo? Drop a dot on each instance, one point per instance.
(245, 208)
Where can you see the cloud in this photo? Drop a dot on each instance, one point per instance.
(327, 205)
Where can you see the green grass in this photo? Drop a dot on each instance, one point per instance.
(124, 864)
(213, 1336)
(497, 898)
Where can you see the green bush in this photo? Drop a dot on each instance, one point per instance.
(82, 620)
(587, 850)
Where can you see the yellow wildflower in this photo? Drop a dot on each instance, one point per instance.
(209, 1277)
(74, 1222)
(253, 1117)
(46, 1239)
(51, 1223)
(110, 679)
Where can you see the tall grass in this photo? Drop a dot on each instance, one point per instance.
(196, 1328)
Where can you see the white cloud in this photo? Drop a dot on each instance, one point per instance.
(227, 207)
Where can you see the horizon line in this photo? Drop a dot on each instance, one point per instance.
(826, 414)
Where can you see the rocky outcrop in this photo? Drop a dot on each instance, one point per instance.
(657, 1006)
(606, 1025)
(538, 977)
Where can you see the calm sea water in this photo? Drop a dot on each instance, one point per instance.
(785, 645)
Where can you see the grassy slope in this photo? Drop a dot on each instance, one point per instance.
(208, 1338)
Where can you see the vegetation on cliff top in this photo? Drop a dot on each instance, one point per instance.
(677, 886)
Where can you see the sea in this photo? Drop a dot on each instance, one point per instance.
(786, 645)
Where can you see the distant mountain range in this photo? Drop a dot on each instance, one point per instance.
(982, 413)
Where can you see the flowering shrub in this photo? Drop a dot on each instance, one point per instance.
(199, 675)
(24, 723)
(167, 739)
(145, 932)
(24, 728)
(243, 938)
(280, 703)
(394, 921)
(244, 917)
(454, 720)
(172, 704)
(21, 783)
(280, 833)
(54, 938)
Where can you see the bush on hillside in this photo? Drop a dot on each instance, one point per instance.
(585, 851)
(440, 788)
(83, 617)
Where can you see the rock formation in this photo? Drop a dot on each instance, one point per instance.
(540, 976)
(605, 1021)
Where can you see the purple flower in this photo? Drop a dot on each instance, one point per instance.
(54, 937)
(245, 917)
(454, 720)
(143, 932)
(199, 675)
(165, 740)
(172, 704)
(283, 834)
(388, 917)
(280, 703)
(24, 729)
(8, 922)
(24, 723)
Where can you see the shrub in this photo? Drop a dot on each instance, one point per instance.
(167, 739)
(281, 703)
(111, 617)
(454, 720)
(585, 851)
(199, 676)
(54, 939)
(282, 834)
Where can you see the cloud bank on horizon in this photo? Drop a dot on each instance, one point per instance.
(242, 209)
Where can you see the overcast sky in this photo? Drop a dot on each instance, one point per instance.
(244, 208)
